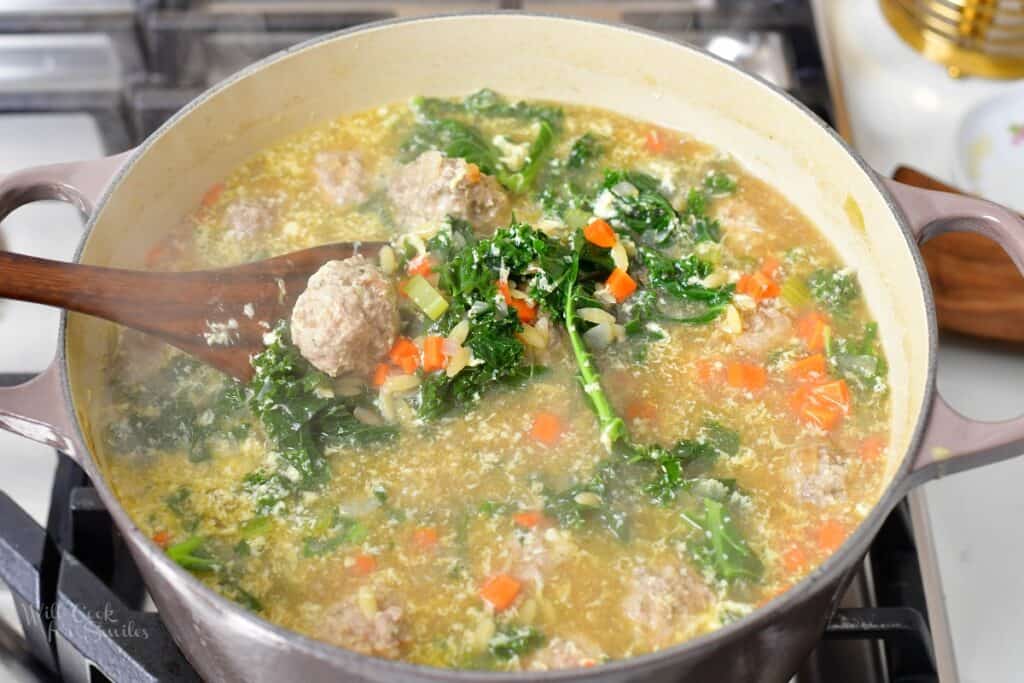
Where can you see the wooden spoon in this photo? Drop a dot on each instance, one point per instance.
(977, 287)
(195, 311)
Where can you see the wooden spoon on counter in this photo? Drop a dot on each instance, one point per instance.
(204, 313)
(978, 290)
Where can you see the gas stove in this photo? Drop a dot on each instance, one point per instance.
(83, 78)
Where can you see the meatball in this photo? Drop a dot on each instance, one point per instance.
(561, 653)
(766, 329)
(818, 476)
(660, 601)
(362, 626)
(247, 218)
(347, 318)
(531, 555)
(433, 186)
(341, 177)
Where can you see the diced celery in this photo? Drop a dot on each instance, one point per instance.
(426, 297)
(576, 218)
(795, 292)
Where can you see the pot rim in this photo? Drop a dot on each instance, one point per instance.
(833, 568)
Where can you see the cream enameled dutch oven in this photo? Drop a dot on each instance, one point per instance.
(134, 198)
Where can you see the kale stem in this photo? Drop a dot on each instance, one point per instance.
(612, 426)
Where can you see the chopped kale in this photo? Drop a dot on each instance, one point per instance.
(718, 183)
(584, 150)
(514, 641)
(835, 289)
(860, 361)
(454, 139)
(192, 555)
(719, 546)
(640, 207)
(489, 104)
(343, 531)
(299, 412)
(589, 503)
(670, 465)
(180, 504)
(522, 179)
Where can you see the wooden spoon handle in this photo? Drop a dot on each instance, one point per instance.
(978, 289)
(219, 316)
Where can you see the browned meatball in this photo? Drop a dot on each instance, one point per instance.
(433, 186)
(661, 600)
(377, 632)
(347, 318)
(341, 177)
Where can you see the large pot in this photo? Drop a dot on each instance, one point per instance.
(134, 198)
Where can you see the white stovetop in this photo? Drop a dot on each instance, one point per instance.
(903, 109)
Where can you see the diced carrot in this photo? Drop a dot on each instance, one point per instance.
(405, 355)
(831, 535)
(162, 539)
(654, 141)
(810, 369)
(425, 537)
(873, 448)
(601, 234)
(547, 428)
(641, 410)
(621, 284)
(528, 519)
(527, 313)
(472, 173)
(364, 564)
(824, 405)
(380, 374)
(211, 196)
(420, 266)
(794, 558)
(433, 353)
(500, 591)
(837, 393)
(747, 376)
(770, 266)
(811, 328)
(708, 370)
(409, 364)
(758, 286)
(402, 347)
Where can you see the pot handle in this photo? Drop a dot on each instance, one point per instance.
(953, 442)
(37, 409)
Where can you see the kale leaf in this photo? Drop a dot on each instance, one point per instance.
(436, 130)
(454, 139)
(566, 184)
(589, 502)
(719, 546)
(343, 531)
(193, 555)
(522, 179)
(299, 412)
(489, 104)
(835, 289)
(513, 641)
(860, 361)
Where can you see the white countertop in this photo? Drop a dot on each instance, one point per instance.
(903, 109)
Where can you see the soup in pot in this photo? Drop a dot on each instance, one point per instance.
(601, 392)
